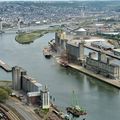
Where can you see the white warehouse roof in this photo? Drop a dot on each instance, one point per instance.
(81, 30)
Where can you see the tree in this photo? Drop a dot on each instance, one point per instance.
(3, 95)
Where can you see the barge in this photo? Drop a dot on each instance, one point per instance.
(47, 53)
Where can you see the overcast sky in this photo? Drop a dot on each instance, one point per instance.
(59, 0)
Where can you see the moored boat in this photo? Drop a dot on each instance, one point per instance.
(75, 111)
(47, 53)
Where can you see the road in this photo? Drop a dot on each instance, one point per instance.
(24, 110)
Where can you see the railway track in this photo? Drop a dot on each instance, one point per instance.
(7, 114)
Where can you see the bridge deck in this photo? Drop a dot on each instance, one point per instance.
(5, 66)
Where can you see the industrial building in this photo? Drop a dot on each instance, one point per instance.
(60, 39)
(33, 98)
(41, 97)
(33, 89)
(107, 69)
(17, 72)
(30, 85)
(81, 32)
(75, 50)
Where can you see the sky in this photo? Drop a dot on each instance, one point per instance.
(59, 0)
(42, 0)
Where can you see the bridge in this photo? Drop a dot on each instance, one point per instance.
(5, 66)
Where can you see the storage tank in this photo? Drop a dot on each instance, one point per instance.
(81, 32)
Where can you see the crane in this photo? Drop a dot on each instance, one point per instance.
(75, 110)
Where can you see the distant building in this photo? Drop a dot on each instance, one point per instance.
(107, 69)
(45, 98)
(81, 32)
(110, 33)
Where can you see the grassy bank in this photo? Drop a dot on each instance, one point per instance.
(26, 38)
(5, 83)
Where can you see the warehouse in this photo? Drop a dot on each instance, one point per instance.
(107, 69)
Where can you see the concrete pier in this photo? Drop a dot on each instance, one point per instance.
(5, 66)
(115, 83)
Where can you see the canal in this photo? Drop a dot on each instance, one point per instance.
(101, 101)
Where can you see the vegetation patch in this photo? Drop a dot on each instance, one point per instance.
(4, 93)
(26, 38)
(41, 112)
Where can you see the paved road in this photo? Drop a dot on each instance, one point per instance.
(24, 110)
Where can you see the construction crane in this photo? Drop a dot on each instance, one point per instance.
(75, 110)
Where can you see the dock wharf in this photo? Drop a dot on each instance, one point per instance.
(115, 83)
(5, 66)
(105, 52)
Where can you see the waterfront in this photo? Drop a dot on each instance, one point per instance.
(100, 100)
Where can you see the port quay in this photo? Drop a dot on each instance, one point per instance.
(88, 89)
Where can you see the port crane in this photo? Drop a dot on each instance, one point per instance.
(75, 110)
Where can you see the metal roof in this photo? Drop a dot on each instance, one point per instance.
(32, 94)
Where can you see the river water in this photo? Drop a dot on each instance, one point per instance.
(101, 101)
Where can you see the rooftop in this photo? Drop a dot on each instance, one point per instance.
(32, 94)
(74, 42)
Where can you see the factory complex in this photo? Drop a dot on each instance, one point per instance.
(99, 59)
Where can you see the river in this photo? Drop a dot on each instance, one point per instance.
(101, 101)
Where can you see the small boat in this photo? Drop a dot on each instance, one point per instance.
(47, 53)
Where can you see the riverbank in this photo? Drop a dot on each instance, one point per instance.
(115, 83)
(26, 38)
(6, 83)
